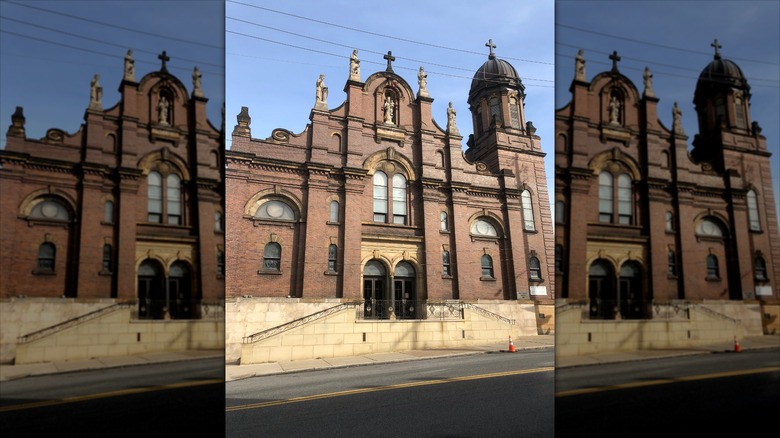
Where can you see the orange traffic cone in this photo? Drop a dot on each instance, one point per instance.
(737, 349)
(511, 345)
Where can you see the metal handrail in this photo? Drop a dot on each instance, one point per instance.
(71, 322)
(297, 323)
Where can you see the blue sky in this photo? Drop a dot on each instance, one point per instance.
(673, 39)
(275, 55)
(51, 49)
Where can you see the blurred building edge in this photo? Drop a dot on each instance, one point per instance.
(119, 224)
(656, 245)
(372, 230)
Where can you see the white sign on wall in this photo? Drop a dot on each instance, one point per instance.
(764, 290)
(538, 290)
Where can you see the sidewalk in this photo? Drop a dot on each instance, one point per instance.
(236, 372)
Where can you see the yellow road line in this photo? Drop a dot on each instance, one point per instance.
(383, 388)
(666, 381)
(121, 392)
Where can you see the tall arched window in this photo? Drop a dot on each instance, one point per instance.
(108, 212)
(220, 263)
(154, 197)
(443, 222)
(671, 262)
(332, 258)
(605, 197)
(669, 221)
(534, 269)
(487, 266)
(399, 199)
(445, 263)
(759, 266)
(380, 197)
(272, 257)
(218, 222)
(164, 200)
(528, 211)
(334, 212)
(752, 203)
(713, 271)
(625, 204)
(495, 109)
(560, 213)
(46, 256)
(107, 255)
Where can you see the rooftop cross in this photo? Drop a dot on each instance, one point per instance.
(163, 57)
(390, 58)
(717, 47)
(615, 58)
(492, 46)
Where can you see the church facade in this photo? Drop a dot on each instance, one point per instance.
(128, 209)
(644, 223)
(377, 203)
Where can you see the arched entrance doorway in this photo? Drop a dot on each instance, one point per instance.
(601, 290)
(180, 291)
(405, 291)
(374, 291)
(151, 292)
(630, 290)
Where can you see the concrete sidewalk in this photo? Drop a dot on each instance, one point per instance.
(522, 343)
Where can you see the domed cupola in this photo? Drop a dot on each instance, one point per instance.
(722, 95)
(496, 97)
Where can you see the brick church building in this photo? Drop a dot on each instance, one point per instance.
(644, 223)
(377, 202)
(127, 209)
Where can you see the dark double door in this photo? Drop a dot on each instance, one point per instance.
(381, 304)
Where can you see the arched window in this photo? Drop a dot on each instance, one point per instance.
(445, 263)
(218, 222)
(46, 256)
(713, 271)
(173, 192)
(332, 258)
(759, 266)
(50, 209)
(108, 212)
(709, 228)
(334, 212)
(495, 109)
(560, 213)
(276, 210)
(559, 258)
(625, 204)
(220, 263)
(487, 266)
(671, 262)
(669, 221)
(605, 197)
(624, 196)
(443, 222)
(272, 257)
(399, 199)
(534, 269)
(528, 211)
(164, 203)
(380, 197)
(107, 256)
(752, 203)
(482, 227)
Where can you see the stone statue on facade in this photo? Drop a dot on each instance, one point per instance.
(648, 83)
(389, 110)
(579, 67)
(162, 110)
(451, 127)
(422, 79)
(196, 86)
(129, 66)
(95, 93)
(614, 111)
(321, 100)
(677, 120)
(354, 67)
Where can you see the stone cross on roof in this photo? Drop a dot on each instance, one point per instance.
(390, 58)
(717, 47)
(492, 46)
(163, 57)
(615, 58)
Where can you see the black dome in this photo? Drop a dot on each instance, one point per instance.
(494, 72)
(719, 74)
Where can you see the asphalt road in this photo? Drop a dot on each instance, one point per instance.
(716, 395)
(494, 395)
(171, 399)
